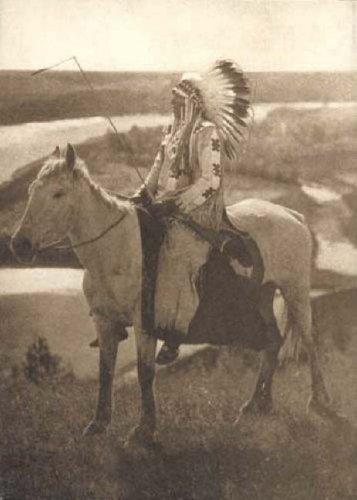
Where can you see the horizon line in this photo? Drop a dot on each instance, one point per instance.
(162, 71)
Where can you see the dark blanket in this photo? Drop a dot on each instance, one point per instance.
(228, 308)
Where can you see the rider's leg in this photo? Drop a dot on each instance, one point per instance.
(176, 296)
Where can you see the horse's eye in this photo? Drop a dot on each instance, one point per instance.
(59, 194)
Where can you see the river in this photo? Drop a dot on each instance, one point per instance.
(24, 143)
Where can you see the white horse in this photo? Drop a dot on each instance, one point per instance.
(105, 234)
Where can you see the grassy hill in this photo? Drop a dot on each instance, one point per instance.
(62, 94)
(289, 454)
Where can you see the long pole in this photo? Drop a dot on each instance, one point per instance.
(354, 36)
(95, 92)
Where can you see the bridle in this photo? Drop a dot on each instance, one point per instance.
(95, 238)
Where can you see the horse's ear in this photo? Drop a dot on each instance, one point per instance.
(56, 153)
(70, 156)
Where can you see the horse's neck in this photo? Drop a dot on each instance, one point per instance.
(93, 214)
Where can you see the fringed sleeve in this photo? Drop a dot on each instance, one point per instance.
(209, 161)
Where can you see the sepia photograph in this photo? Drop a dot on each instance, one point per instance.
(178, 249)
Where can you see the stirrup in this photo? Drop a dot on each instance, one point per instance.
(94, 343)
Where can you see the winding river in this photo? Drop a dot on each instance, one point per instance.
(22, 144)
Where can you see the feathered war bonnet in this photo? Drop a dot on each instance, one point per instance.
(223, 95)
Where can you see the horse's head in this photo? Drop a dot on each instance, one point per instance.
(48, 215)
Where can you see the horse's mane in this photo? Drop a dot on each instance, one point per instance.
(51, 167)
(56, 166)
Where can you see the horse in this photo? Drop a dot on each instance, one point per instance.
(104, 231)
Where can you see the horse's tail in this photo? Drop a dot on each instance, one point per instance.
(292, 348)
(292, 343)
(315, 244)
(315, 248)
(300, 217)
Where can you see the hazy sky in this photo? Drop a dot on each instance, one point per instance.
(178, 34)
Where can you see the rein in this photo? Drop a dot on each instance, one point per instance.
(95, 238)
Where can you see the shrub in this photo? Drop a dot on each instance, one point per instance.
(40, 364)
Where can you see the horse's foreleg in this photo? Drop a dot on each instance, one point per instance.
(108, 345)
(146, 348)
(261, 402)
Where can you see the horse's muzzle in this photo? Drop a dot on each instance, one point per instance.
(22, 248)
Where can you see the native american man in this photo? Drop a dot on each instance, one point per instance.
(186, 181)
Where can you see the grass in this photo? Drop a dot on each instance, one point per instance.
(289, 454)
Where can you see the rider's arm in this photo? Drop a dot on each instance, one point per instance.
(209, 158)
(152, 179)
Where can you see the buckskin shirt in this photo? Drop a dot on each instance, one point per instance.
(196, 184)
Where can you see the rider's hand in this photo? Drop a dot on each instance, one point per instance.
(192, 109)
(142, 197)
(175, 141)
(164, 208)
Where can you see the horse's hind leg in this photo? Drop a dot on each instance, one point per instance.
(107, 331)
(261, 402)
(300, 316)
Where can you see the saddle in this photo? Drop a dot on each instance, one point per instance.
(233, 244)
(230, 241)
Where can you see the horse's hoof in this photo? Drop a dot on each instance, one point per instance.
(94, 427)
(326, 409)
(255, 407)
(320, 402)
(142, 442)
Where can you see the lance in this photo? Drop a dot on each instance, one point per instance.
(91, 87)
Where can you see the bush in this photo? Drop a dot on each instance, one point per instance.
(40, 364)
